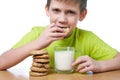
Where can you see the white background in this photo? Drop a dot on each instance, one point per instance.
(17, 17)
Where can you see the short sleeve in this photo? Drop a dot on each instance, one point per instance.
(99, 50)
(29, 37)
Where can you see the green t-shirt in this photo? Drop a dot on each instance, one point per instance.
(84, 42)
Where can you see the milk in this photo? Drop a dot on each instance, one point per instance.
(64, 59)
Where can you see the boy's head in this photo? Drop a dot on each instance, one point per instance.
(82, 3)
(66, 13)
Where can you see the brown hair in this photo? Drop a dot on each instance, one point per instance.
(83, 4)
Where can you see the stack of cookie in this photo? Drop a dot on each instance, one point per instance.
(40, 65)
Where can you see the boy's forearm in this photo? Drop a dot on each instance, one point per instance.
(14, 56)
(110, 64)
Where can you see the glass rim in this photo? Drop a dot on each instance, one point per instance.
(64, 48)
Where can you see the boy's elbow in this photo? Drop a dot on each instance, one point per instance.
(2, 68)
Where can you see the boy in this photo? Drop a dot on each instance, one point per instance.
(65, 14)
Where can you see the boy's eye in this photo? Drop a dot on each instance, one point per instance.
(71, 12)
(55, 10)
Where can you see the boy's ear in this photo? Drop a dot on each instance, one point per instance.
(83, 14)
(47, 10)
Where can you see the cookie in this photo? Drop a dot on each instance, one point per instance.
(67, 30)
(36, 69)
(41, 60)
(39, 65)
(44, 56)
(37, 74)
(35, 64)
(39, 52)
(47, 66)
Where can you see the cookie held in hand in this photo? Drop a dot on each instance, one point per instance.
(67, 30)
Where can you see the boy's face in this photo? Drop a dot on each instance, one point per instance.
(64, 13)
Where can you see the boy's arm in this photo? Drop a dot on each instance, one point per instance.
(85, 63)
(14, 56)
(112, 64)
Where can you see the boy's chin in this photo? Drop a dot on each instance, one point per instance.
(66, 36)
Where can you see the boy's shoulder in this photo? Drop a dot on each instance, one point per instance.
(37, 28)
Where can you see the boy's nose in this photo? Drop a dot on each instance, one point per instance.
(62, 19)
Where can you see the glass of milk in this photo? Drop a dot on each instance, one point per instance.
(64, 57)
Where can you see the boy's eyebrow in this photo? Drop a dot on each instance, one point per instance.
(55, 9)
(71, 11)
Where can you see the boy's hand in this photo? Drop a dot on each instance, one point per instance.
(50, 34)
(85, 63)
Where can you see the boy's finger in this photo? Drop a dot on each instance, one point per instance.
(57, 30)
(76, 62)
(79, 61)
(88, 70)
(82, 66)
(52, 25)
